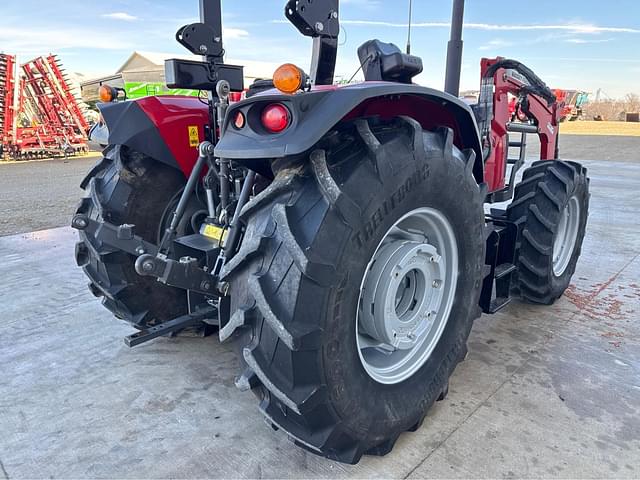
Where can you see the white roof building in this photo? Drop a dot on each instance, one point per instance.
(142, 67)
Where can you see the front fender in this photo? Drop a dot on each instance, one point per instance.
(162, 128)
(315, 113)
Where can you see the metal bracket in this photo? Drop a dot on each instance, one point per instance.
(185, 273)
(120, 237)
(314, 19)
(499, 264)
(200, 39)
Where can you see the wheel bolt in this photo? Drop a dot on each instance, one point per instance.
(436, 283)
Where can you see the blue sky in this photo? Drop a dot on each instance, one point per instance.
(584, 44)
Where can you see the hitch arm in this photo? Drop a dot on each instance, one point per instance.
(184, 274)
(118, 237)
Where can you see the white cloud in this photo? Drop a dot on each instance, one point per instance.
(233, 33)
(575, 28)
(580, 41)
(120, 16)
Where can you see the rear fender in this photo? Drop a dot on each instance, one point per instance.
(162, 128)
(315, 113)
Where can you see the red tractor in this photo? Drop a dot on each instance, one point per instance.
(337, 235)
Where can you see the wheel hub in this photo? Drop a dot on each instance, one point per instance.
(406, 295)
(402, 293)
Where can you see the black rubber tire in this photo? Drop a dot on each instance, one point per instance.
(295, 283)
(127, 187)
(541, 196)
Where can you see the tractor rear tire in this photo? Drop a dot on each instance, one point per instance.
(295, 284)
(127, 187)
(548, 247)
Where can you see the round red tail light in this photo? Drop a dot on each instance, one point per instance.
(276, 118)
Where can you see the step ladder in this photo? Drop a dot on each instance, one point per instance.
(499, 264)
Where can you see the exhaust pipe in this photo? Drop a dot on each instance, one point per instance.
(454, 50)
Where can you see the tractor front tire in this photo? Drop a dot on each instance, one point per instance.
(296, 284)
(126, 187)
(550, 208)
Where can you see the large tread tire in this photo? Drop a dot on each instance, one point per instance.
(541, 196)
(295, 284)
(127, 187)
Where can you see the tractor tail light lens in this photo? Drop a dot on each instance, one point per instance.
(288, 78)
(240, 121)
(275, 118)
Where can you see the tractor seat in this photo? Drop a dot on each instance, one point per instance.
(385, 62)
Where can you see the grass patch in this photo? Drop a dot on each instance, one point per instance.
(600, 128)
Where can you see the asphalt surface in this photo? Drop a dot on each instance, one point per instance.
(546, 392)
(40, 195)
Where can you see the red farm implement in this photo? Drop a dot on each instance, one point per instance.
(39, 115)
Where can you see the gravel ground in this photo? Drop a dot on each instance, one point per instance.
(40, 195)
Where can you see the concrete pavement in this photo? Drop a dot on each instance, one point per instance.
(545, 391)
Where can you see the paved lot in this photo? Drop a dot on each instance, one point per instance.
(39, 195)
(545, 391)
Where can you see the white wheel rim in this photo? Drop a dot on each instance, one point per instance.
(564, 242)
(406, 295)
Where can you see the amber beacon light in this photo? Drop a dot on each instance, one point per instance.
(288, 78)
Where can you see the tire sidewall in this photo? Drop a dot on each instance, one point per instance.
(364, 404)
(559, 283)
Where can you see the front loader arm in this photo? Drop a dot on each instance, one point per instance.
(536, 102)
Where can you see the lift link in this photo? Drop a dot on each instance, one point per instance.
(184, 273)
(171, 326)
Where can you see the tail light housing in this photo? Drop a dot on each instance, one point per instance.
(275, 118)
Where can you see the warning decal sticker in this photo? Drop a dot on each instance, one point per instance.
(194, 136)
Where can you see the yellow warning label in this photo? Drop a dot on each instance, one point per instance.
(215, 233)
(194, 136)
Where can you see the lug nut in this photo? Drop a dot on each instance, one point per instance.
(436, 283)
